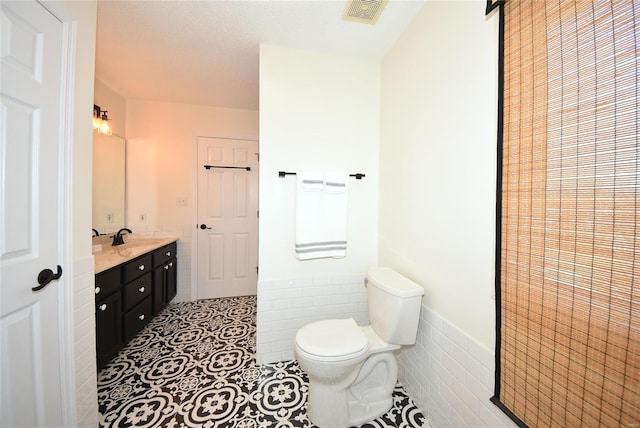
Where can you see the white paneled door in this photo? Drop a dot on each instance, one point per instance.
(31, 201)
(227, 217)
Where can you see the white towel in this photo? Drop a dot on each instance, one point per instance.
(321, 215)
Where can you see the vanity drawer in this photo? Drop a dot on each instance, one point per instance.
(164, 254)
(137, 290)
(136, 319)
(107, 283)
(136, 268)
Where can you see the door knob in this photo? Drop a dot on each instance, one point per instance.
(204, 226)
(46, 276)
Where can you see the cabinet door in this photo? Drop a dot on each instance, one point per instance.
(171, 278)
(164, 285)
(159, 293)
(108, 328)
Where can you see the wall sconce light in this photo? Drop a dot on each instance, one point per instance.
(101, 120)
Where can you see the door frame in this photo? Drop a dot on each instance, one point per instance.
(194, 198)
(65, 209)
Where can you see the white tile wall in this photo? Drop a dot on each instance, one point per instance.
(447, 373)
(450, 376)
(286, 305)
(84, 344)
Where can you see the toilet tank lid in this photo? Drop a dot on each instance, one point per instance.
(393, 283)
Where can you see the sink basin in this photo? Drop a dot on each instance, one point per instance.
(144, 242)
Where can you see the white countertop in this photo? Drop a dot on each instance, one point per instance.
(110, 256)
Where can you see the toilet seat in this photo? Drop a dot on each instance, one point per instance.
(332, 340)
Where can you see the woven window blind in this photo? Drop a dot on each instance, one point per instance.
(568, 282)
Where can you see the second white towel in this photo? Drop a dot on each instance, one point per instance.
(321, 215)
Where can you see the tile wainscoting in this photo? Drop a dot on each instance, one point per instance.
(286, 305)
(450, 376)
(447, 373)
(84, 330)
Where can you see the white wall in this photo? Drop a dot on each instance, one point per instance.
(160, 167)
(317, 112)
(86, 393)
(437, 203)
(438, 146)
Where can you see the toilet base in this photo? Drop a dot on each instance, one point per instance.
(360, 413)
(370, 396)
(361, 394)
(326, 407)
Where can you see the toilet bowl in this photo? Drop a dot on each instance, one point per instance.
(352, 370)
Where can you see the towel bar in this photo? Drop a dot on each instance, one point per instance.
(357, 175)
(248, 168)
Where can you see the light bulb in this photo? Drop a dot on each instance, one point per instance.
(104, 128)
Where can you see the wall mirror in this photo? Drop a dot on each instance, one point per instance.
(108, 183)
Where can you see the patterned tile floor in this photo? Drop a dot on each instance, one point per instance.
(194, 366)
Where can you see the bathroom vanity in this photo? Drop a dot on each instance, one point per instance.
(134, 282)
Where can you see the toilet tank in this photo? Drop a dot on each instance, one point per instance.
(394, 305)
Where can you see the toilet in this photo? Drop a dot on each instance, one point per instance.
(352, 370)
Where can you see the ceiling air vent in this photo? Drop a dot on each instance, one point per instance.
(364, 11)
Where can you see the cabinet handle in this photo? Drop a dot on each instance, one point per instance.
(141, 289)
(166, 267)
(103, 307)
(141, 267)
(97, 290)
(171, 264)
(168, 253)
(141, 317)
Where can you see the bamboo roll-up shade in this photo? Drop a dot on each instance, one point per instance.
(569, 271)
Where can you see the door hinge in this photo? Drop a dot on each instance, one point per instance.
(257, 269)
(258, 213)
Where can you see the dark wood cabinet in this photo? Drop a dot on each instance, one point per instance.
(136, 291)
(107, 283)
(164, 255)
(164, 276)
(108, 328)
(159, 294)
(136, 267)
(171, 279)
(136, 319)
(129, 295)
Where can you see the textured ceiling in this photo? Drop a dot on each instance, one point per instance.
(207, 52)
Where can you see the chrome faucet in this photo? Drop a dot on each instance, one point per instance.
(117, 238)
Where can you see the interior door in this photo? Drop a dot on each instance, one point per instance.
(30, 237)
(227, 217)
